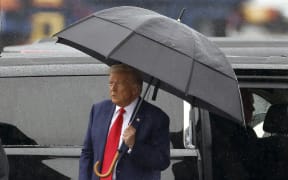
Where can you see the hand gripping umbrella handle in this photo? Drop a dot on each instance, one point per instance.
(110, 168)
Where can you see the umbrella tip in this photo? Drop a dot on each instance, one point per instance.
(181, 14)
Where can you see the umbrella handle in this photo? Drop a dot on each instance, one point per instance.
(110, 168)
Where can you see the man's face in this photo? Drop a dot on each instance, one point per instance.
(122, 88)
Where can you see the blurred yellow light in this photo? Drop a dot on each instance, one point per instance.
(259, 15)
(48, 3)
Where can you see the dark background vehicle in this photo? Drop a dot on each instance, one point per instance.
(46, 91)
(25, 21)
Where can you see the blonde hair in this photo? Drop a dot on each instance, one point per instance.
(123, 68)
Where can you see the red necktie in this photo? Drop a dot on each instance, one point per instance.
(112, 143)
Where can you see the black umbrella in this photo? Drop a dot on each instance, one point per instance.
(183, 61)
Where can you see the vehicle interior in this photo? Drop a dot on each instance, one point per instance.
(271, 116)
(257, 151)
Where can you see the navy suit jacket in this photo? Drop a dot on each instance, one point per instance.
(151, 151)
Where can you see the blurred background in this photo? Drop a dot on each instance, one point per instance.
(26, 21)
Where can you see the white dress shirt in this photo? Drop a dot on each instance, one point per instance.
(126, 118)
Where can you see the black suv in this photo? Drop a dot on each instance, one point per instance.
(47, 89)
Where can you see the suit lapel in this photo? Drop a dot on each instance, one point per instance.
(107, 115)
(104, 122)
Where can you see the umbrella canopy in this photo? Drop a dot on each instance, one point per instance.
(184, 62)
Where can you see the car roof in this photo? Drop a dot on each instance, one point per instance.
(226, 42)
(243, 54)
(48, 58)
(43, 52)
(254, 54)
(258, 63)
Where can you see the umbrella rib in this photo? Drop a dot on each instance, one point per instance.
(234, 78)
(119, 44)
(123, 41)
(135, 32)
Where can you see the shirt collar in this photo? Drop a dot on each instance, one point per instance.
(128, 108)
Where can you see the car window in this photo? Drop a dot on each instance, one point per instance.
(261, 106)
(263, 99)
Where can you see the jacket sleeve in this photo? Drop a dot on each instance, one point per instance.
(86, 157)
(153, 152)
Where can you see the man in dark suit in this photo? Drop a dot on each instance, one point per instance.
(149, 146)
